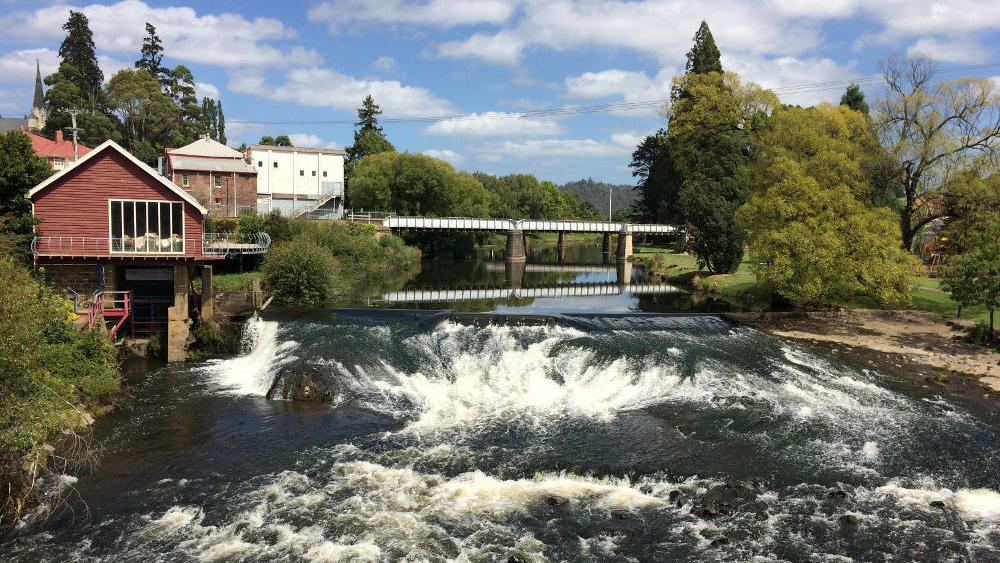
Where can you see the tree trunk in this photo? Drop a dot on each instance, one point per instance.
(960, 310)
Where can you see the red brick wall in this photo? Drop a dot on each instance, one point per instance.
(219, 199)
(77, 204)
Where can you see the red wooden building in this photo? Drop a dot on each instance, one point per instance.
(117, 233)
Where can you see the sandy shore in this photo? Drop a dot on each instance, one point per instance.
(911, 343)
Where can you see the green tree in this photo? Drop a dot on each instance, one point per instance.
(77, 49)
(221, 124)
(283, 141)
(151, 55)
(147, 115)
(267, 140)
(20, 170)
(854, 98)
(704, 56)
(179, 86)
(970, 202)
(818, 245)
(973, 277)
(932, 130)
(416, 184)
(209, 118)
(65, 94)
(710, 128)
(368, 136)
(658, 182)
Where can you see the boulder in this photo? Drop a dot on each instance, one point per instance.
(303, 384)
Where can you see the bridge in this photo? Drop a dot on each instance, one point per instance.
(515, 230)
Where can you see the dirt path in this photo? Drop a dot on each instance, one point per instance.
(909, 337)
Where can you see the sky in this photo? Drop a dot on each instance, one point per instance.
(480, 67)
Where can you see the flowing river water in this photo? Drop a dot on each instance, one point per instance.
(566, 429)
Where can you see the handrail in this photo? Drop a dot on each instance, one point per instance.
(121, 306)
(211, 244)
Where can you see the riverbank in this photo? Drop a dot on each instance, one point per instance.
(923, 347)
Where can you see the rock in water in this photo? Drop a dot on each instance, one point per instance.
(306, 384)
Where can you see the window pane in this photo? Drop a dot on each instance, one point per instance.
(178, 219)
(116, 225)
(164, 220)
(129, 219)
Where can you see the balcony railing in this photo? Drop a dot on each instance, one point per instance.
(210, 245)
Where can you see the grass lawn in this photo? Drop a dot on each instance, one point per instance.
(230, 282)
(925, 292)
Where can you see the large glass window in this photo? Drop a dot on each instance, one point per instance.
(147, 226)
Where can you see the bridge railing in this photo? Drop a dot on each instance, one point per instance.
(487, 224)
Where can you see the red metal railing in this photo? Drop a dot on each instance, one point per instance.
(110, 304)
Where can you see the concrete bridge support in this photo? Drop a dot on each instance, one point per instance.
(207, 295)
(561, 247)
(623, 272)
(514, 273)
(624, 245)
(515, 247)
(178, 322)
(606, 248)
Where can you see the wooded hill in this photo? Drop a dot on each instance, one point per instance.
(596, 194)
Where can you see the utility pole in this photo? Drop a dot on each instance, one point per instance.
(610, 189)
(76, 150)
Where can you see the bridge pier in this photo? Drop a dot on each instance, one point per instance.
(514, 273)
(623, 272)
(515, 246)
(606, 248)
(561, 247)
(624, 245)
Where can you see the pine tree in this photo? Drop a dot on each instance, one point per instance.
(209, 117)
(704, 56)
(77, 49)
(151, 55)
(368, 116)
(220, 124)
(854, 98)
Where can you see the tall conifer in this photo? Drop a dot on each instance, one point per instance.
(77, 49)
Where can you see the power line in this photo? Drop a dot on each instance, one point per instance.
(805, 88)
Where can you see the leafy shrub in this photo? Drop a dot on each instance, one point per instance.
(219, 225)
(47, 366)
(250, 223)
(301, 272)
(278, 227)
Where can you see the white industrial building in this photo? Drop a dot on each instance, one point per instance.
(299, 181)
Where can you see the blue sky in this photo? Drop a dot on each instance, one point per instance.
(492, 60)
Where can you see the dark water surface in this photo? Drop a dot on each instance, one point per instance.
(611, 436)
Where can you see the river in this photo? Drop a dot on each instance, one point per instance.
(562, 428)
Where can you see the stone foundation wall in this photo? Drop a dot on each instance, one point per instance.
(81, 277)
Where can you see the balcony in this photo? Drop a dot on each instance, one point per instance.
(210, 246)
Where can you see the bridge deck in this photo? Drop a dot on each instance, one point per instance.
(477, 224)
(566, 290)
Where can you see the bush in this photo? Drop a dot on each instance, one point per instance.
(278, 227)
(301, 272)
(251, 223)
(219, 225)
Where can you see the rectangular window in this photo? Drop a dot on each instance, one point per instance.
(260, 164)
(275, 163)
(218, 181)
(302, 172)
(184, 180)
(314, 173)
(324, 173)
(146, 227)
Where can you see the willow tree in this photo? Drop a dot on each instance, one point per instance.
(933, 129)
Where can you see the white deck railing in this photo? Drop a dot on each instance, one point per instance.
(211, 244)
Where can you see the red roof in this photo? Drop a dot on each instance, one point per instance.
(46, 148)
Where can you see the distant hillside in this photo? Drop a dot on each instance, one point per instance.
(596, 194)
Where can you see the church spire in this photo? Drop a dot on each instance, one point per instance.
(39, 94)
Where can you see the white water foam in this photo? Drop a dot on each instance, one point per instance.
(261, 353)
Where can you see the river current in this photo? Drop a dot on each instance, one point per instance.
(563, 437)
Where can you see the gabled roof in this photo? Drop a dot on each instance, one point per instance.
(206, 146)
(183, 162)
(44, 147)
(113, 146)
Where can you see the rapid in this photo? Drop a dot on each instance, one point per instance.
(568, 437)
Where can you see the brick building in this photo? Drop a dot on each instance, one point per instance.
(216, 175)
(58, 153)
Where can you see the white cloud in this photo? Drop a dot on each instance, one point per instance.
(311, 141)
(18, 67)
(206, 90)
(619, 145)
(632, 86)
(494, 124)
(956, 50)
(447, 155)
(322, 87)
(661, 29)
(442, 13)
(384, 64)
(226, 39)
(791, 77)
(909, 18)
